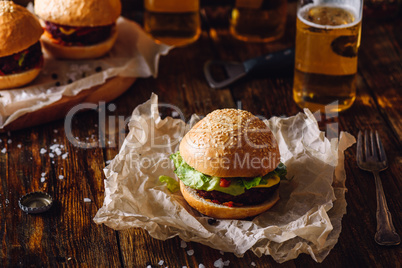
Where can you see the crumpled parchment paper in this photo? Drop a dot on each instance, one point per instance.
(133, 55)
(307, 218)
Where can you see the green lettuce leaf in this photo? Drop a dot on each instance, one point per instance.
(200, 181)
(171, 183)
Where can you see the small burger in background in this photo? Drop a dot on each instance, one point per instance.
(78, 29)
(229, 165)
(21, 56)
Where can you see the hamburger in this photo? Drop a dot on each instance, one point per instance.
(21, 56)
(76, 29)
(229, 165)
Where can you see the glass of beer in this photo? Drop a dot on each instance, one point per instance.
(173, 22)
(258, 20)
(327, 42)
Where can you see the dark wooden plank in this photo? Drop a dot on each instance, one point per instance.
(66, 234)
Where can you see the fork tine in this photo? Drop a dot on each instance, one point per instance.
(366, 144)
(359, 156)
(383, 156)
(373, 145)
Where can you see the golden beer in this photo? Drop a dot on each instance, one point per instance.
(258, 20)
(327, 42)
(173, 22)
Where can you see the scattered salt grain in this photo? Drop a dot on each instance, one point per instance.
(61, 177)
(87, 200)
(253, 264)
(57, 151)
(55, 131)
(42, 179)
(9, 141)
(64, 156)
(175, 114)
(184, 266)
(201, 265)
(149, 266)
(4, 150)
(220, 263)
(42, 151)
(190, 252)
(160, 262)
(51, 155)
(19, 145)
(183, 244)
(43, 174)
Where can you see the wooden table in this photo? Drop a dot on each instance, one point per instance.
(67, 236)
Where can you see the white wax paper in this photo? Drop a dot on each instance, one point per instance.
(133, 55)
(306, 219)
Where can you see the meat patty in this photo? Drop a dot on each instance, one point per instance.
(78, 36)
(253, 196)
(22, 61)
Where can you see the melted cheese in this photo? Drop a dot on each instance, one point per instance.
(271, 182)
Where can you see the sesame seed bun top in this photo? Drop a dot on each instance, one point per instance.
(231, 143)
(19, 30)
(78, 12)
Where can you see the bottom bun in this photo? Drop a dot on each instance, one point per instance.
(19, 79)
(221, 211)
(78, 52)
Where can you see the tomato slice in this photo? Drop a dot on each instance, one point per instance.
(224, 182)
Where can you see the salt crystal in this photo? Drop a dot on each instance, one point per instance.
(9, 141)
(226, 263)
(64, 156)
(43, 174)
(54, 147)
(19, 145)
(253, 264)
(218, 263)
(55, 131)
(42, 179)
(51, 155)
(4, 150)
(190, 252)
(201, 265)
(183, 244)
(87, 200)
(57, 151)
(161, 262)
(42, 151)
(149, 266)
(61, 177)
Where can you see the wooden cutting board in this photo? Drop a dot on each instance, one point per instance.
(106, 92)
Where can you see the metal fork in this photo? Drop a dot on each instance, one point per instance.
(375, 160)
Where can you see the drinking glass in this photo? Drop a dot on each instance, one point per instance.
(327, 42)
(258, 20)
(173, 22)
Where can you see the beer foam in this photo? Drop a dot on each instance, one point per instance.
(354, 10)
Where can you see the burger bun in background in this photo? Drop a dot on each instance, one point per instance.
(19, 30)
(74, 15)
